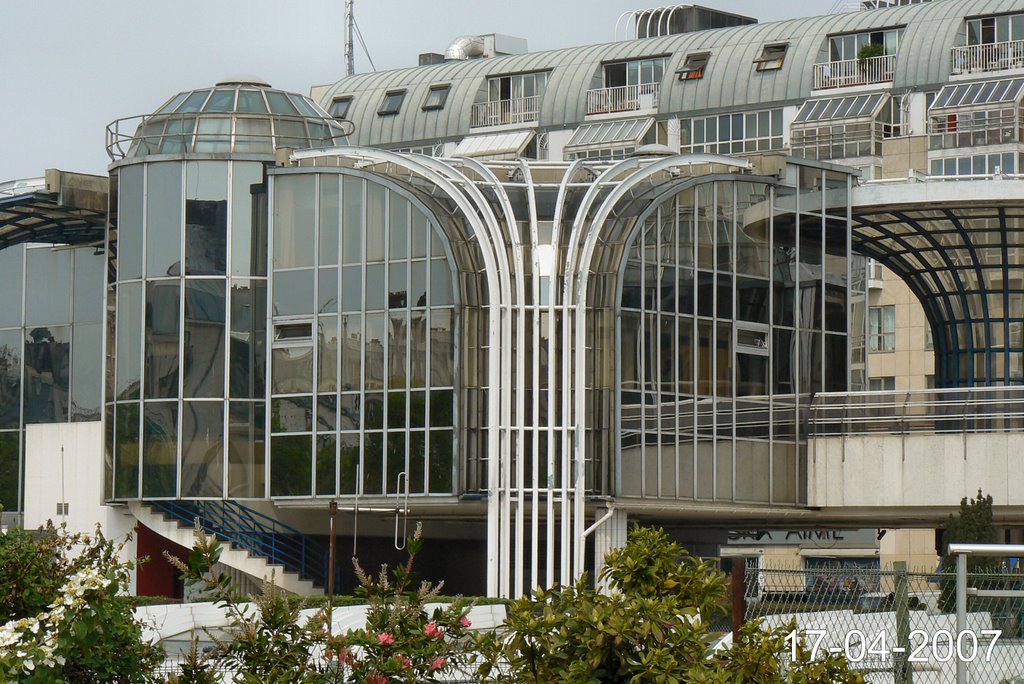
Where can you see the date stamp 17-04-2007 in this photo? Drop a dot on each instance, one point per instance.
(857, 646)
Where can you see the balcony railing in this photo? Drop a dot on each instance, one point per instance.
(853, 72)
(627, 98)
(501, 112)
(937, 411)
(969, 59)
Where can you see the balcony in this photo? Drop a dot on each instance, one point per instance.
(627, 98)
(854, 72)
(502, 112)
(970, 59)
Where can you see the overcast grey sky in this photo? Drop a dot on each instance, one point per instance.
(69, 67)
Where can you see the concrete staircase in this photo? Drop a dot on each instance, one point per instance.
(240, 549)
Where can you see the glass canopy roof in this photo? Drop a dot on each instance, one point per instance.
(239, 117)
(864, 106)
(979, 93)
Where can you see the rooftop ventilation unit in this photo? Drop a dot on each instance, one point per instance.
(482, 47)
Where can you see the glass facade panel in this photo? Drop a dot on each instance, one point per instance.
(160, 449)
(163, 220)
(48, 276)
(203, 364)
(246, 445)
(10, 378)
(47, 374)
(202, 449)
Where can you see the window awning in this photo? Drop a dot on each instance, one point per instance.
(609, 134)
(960, 95)
(496, 145)
(864, 107)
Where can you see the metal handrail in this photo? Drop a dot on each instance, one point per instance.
(501, 112)
(852, 72)
(937, 411)
(183, 134)
(1000, 56)
(254, 532)
(627, 98)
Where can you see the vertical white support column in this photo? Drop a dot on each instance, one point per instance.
(610, 535)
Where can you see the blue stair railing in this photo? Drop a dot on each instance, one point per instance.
(255, 532)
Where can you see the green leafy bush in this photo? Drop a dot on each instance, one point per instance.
(651, 625)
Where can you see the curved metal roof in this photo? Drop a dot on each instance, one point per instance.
(731, 81)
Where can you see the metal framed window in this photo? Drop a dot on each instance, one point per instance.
(694, 66)
(392, 102)
(772, 57)
(340, 106)
(436, 97)
(882, 328)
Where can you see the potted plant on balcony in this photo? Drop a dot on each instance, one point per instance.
(864, 55)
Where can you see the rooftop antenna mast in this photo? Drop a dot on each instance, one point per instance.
(350, 21)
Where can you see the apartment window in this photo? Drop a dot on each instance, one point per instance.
(882, 328)
(392, 102)
(887, 384)
(975, 165)
(848, 46)
(989, 30)
(694, 66)
(634, 72)
(340, 106)
(516, 86)
(436, 97)
(733, 133)
(772, 57)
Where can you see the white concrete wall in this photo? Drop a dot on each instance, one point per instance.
(76, 479)
(916, 470)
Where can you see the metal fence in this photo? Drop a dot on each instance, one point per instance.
(895, 626)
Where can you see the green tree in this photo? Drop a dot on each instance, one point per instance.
(653, 625)
(973, 524)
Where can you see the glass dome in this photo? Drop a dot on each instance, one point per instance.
(232, 117)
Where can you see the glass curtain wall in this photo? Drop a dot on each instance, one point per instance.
(50, 331)
(365, 322)
(734, 310)
(186, 334)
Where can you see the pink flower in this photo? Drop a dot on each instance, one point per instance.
(465, 621)
(385, 638)
(376, 679)
(328, 654)
(438, 662)
(432, 630)
(344, 655)
(406, 661)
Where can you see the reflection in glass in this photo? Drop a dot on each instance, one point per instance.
(202, 449)
(248, 251)
(9, 469)
(248, 338)
(126, 452)
(246, 476)
(160, 449)
(163, 310)
(326, 464)
(291, 465)
(291, 414)
(88, 289)
(86, 370)
(47, 374)
(293, 292)
(10, 379)
(441, 462)
(203, 364)
(129, 340)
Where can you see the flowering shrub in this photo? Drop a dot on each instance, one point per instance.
(84, 632)
(401, 641)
